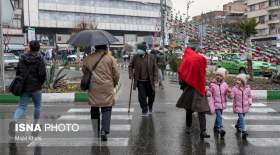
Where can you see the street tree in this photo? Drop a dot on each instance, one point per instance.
(248, 28)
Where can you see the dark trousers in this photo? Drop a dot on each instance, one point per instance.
(106, 117)
(145, 91)
(201, 117)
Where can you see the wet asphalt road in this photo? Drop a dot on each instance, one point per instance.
(162, 133)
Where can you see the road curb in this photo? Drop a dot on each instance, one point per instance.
(74, 97)
(81, 97)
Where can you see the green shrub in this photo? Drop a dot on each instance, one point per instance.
(174, 62)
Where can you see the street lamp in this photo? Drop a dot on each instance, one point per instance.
(187, 22)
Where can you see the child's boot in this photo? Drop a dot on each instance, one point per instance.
(222, 133)
(244, 134)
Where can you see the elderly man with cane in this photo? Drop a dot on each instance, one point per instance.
(143, 70)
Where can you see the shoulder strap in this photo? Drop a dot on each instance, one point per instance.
(95, 65)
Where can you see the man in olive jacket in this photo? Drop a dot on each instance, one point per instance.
(143, 70)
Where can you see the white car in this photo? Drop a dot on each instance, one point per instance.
(214, 59)
(10, 61)
(73, 57)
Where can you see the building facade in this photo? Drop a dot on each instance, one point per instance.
(13, 34)
(267, 13)
(54, 21)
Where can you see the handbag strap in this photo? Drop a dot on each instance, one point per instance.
(95, 65)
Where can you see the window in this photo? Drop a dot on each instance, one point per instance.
(262, 19)
(262, 6)
(252, 7)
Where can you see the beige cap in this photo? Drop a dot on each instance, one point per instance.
(243, 77)
(221, 71)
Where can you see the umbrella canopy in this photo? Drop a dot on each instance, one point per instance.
(92, 38)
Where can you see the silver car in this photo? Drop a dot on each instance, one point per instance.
(10, 61)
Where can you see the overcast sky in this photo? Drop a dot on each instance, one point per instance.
(199, 6)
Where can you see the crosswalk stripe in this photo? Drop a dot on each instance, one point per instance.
(87, 117)
(229, 104)
(264, 142)
(64, 142)
(255, 110)
(113, 127)
(82, 110)
(257, 104)
(268, 128)
(252, 117)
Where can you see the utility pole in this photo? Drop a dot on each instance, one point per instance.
(187, 22)
(163, 9)
(1, 49)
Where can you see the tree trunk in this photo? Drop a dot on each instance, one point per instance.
(249, 60)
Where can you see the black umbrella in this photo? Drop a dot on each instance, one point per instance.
(92, 38)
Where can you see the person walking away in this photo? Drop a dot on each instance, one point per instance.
(143, 70)
(161, 62)
(32, 66)
(104, 79)
(242, 101)
(219, 90)
(192, 75)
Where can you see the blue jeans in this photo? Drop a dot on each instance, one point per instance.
(241, 121)
(24, 99)
(219, 119)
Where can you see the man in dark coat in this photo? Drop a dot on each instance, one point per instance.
(143, 70)
(31, 66)
(192, 74)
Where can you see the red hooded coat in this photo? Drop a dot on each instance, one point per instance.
(193, 70)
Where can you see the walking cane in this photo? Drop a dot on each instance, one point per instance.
(129, 103)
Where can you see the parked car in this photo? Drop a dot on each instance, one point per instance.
(10, 61)
(234, 64)
(17, 53)
(73, 57)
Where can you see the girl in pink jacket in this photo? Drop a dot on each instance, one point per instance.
(219, 90)
(242, 100)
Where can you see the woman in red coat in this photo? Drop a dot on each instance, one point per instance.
(192, 74)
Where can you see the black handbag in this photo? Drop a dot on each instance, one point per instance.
(16, 87)
(86, 78)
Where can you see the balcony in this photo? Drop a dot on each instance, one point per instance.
(274, 31)
(105, 26)
(99, 10)
(262, 26)
(12, 31)
(274, 21)
(275, 7)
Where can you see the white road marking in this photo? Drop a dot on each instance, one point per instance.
(268, 128)
(255, 110)
(64, 142)
(229, 104)
(252, 117)
(82, 110)
(264, 142)
(87, 117)
(113, 127)
(256, 104)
